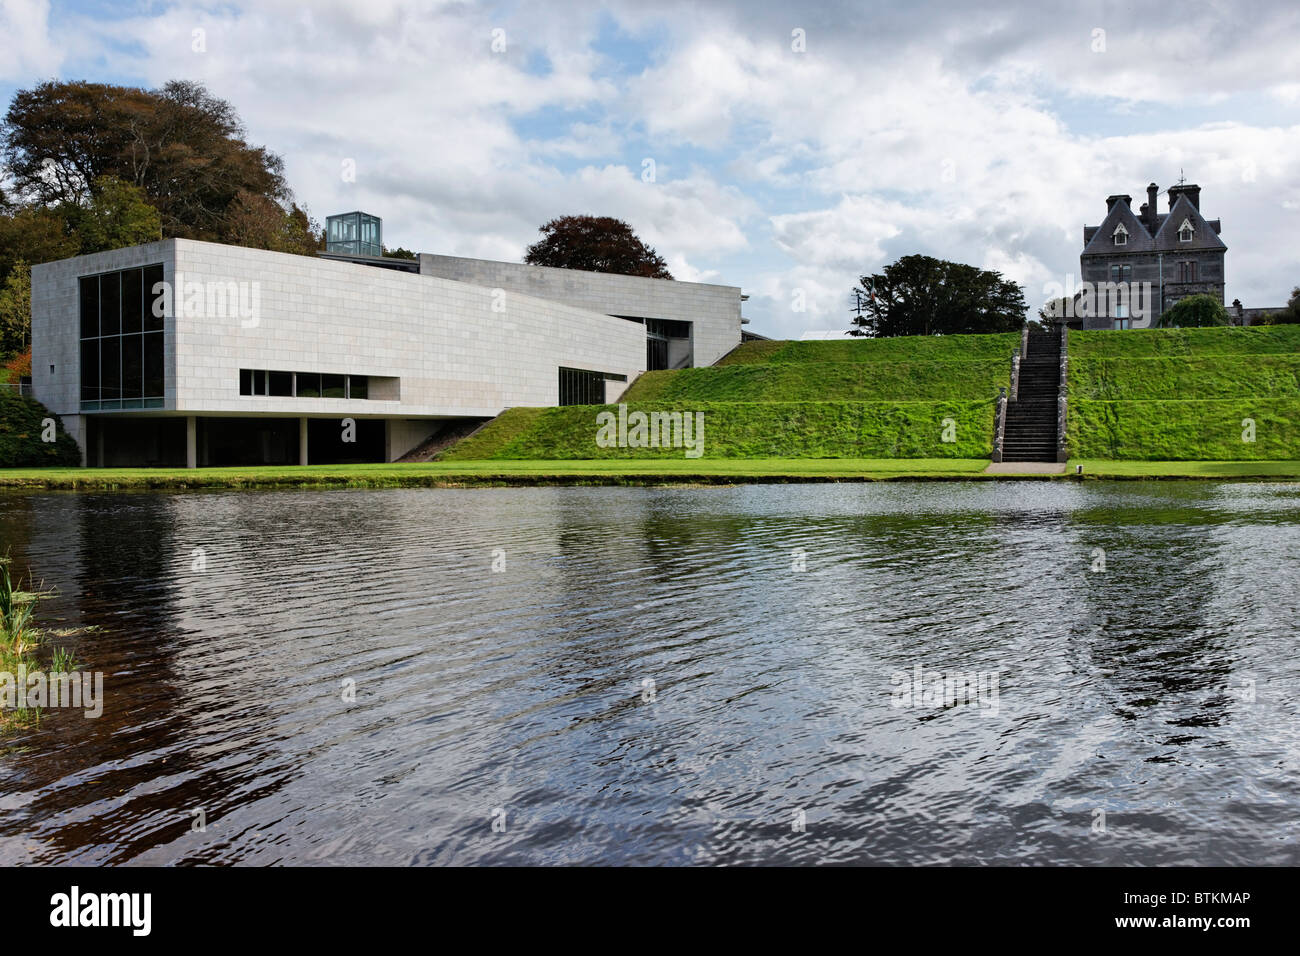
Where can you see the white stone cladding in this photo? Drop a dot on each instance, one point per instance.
(454, 355)
(713, 310)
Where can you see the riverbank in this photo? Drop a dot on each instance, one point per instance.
(458, 474)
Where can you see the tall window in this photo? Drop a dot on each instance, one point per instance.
(121, 340)
(1121, 273)
(1187, 271)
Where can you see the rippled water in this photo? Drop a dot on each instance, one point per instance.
(1161, 690)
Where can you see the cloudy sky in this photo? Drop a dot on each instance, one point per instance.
(783, 147)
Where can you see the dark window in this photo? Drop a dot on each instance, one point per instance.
(119, 364)
(581, 387)
(90, 370)
(89, 306)
(332, 386)
(153, 365)
(110, 304)
(110, 368)
(668, 328)
(1187, 272)
(308, 385)
(656, 354)
(132, 366)
(153, 303)
(132, 300)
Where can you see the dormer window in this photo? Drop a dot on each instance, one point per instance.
(1185, 232)
(1120, 238)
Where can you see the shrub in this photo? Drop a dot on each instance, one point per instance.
(22, 422)
(1195, 311)
(20, 365)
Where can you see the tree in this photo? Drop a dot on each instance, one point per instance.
(596, 244)
(184, 147)
(1193, 312)
(920, 295)
(1290, 314)
(1056, 310)
(116, 216)
(16, 309)
(33, 234)
(261, 223)
(399, 253)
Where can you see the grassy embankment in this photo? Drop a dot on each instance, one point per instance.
(861, 399)
(1188, 395)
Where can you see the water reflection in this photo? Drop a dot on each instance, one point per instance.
(666, 675)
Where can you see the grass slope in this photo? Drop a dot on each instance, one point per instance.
(1185, 430)
(1198, 378)
(1185, 394)
(1166, 343)
(857, 398)
(911, 348)
(843, 381)
(753, 430)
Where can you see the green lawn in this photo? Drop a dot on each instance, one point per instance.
(608, 472)
(436, 474)
(1186, 469)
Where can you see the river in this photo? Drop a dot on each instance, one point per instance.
(667, 676)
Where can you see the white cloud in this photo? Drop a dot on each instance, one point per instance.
(985, 133)
(28, 49)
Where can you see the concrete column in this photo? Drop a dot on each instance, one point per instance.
(302, 441)
(191, 442)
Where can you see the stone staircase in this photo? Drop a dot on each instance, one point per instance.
(1030, 432)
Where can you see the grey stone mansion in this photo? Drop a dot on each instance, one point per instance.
(1162, 256)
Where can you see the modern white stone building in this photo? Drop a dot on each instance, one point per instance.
(193, 353)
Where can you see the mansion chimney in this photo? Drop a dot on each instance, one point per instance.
(1152, 191)
(1190, 190)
